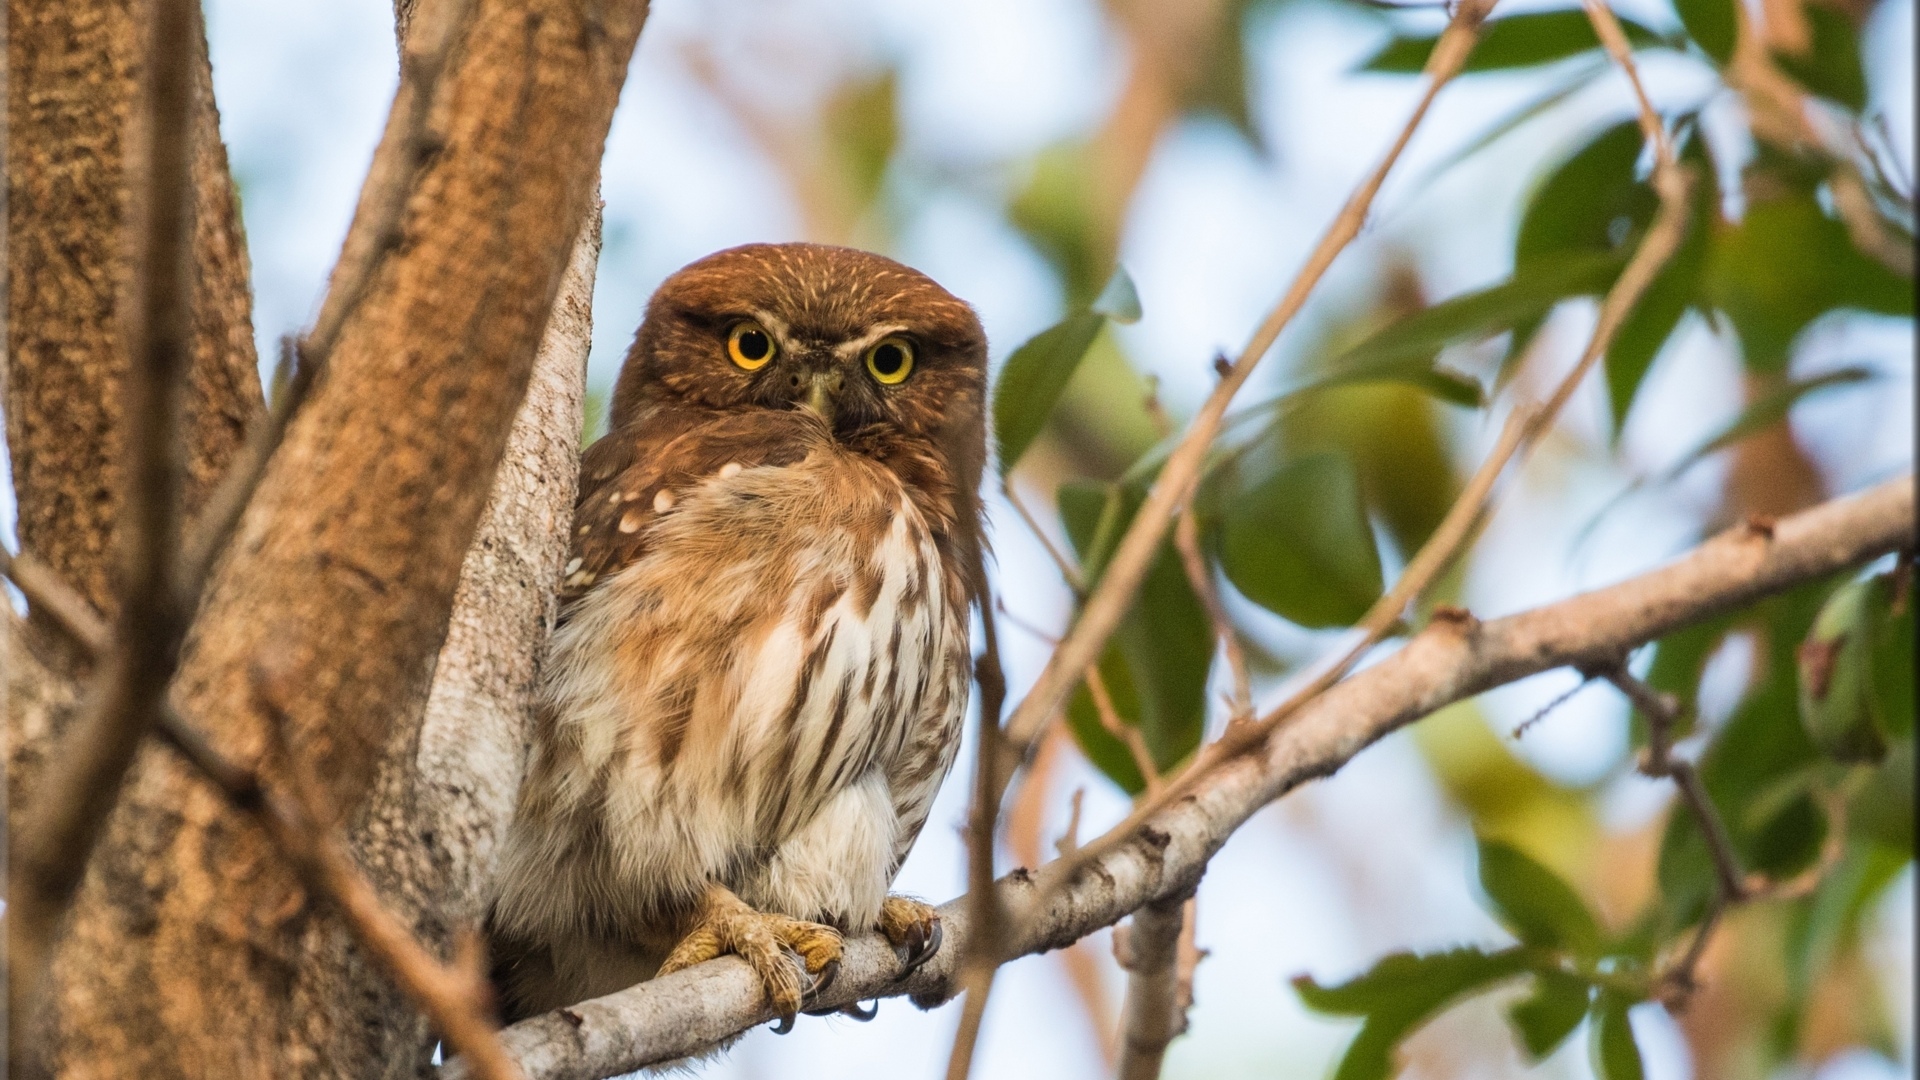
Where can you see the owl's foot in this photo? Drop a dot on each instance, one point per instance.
(793, 958)
(912, 927)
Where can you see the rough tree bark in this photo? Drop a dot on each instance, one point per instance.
(192, 951)
(73, 70)
(1450, 660)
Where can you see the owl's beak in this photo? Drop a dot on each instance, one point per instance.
(822, 393)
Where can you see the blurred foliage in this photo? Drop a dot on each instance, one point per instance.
(1318, 492)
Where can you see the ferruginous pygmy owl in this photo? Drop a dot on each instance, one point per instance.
(758, 678)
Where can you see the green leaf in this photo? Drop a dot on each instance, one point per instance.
(1785, 265)
(1054, 210)
(1820, 927)
(1593, 202)
(1831, 66)
(1531, 292)
(1119, 300)
(1893, 661)
(1534, 903)
(1398, 994)
(1298, 543)
(1615, 1055)
(1516, 41)
(1155, 667)
(1546, 1017)
(1032, 380)
(1881, 810)
(862, 127)
(1711, 25)
(1838, 702)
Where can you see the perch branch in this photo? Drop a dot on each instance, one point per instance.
(1450, 660)
(83, 780)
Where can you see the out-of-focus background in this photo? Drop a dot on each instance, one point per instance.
(1015, 150)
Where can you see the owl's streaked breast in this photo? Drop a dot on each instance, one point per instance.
(787, 654)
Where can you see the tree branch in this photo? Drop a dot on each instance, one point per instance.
(1452, 659)
(1154, 1012)
(75, 73)
(50, 852)
(347, 560)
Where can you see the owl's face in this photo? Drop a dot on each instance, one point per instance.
(857, 339)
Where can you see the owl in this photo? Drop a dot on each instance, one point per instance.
(761, 665)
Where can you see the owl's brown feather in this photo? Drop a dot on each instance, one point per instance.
(761, 667)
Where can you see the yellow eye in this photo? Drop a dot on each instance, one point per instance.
(890, 360)
(749, 346)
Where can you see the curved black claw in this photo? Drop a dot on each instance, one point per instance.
(921, 951)
(823, 981)
(783, 1025)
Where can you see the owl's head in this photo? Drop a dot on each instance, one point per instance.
(856, 338)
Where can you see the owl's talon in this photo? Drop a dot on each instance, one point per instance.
(794, 959)
(913, 928)
(853, 1010)
(783, 1025)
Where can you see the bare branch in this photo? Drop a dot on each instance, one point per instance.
(1449, 661)
(1128, 734)
(50, 854)
(1068, 571)
(1150, 951)
(43, 589)
(1186, 538)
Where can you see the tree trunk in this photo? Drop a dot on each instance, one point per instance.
(192, 951)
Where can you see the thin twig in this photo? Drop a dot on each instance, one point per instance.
(44, 589)
(212, 527)
(986, 948)
(1028, 625)
(1186, 539)
(83, 780)
(1128, 734)
(1547, 710)
(1070, 839)
(1026, 822)
(1065, 565)
(1109, 602)
(1730, 882)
